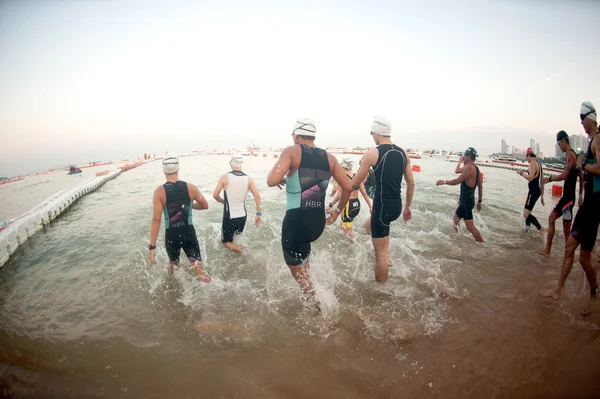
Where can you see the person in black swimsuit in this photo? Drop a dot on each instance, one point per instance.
(390, 164)
(352, 208)
(175, 200)
(468, 180)
(535, 176)
(566, 204)
(585, 226)
(308, 169)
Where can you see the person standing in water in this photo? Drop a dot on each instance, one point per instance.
(585, 226)
(534, 176)
(235, 185)
(308, 169)
(352, 208)
(390, 164)
(175, 200)
(566, 204)
(469, 179)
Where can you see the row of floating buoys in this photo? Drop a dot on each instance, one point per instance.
(22, 228)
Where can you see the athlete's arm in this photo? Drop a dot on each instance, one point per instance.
(571, 160)
(199, 200)
(256, 195)
(410, 189)
(365, 195)
(456, 181)
(480, 190)
(335, 189)
(459, 169)
(581, 186)
(595, 168)
(368, 160)
(281, 167)
(158, 201)
(530, 172)
(342, 180)
(217, 193)
(334, 200)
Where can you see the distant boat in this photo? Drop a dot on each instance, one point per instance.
(505, 159)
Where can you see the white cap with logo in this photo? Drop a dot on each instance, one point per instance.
(170, 165)
(381, 126)
(305, 127)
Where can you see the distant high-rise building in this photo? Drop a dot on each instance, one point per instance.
(532, 144)
(537, 149)
(503, 147)
(512, 150)
(579, 142)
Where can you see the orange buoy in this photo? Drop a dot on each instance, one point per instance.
(557, 190)
(264, 155)
(416, 168)
(275, 156)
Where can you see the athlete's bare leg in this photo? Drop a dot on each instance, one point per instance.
(199, 269)
(368, 225)
(302, 276)
(381, 258)
(456, 221)
(551, 230)
(566, 229)
(567, 265)
(473, 230)
(348, 232)
(585, 258)
(173, 266)
(234, 247)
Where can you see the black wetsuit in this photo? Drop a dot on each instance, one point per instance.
(179, 233)
(535, 191)
(351, 210)
(585, 226)
(467, 198)
(304, 220)
(566, 204)
(387, 203)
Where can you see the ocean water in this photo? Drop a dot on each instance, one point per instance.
(84, 314)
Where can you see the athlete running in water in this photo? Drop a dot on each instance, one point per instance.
(566, 204)
(585, 226)
(469, 179)
(390, 164)
(175, 200)
(308, 171)
(534, 176)
(352, 208)
(235, 185)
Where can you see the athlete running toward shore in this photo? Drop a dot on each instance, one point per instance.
(175, 200)
(566, 204)
(235, 185)
(585, 226)
(534, 176)
(469, 179)
(308, 169)
(352, 208)
(390, 164)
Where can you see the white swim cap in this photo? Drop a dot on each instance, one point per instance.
(588, 110)
(346, 163)
(170, 165)
(305, 127)
(381, 126)
(236, 161)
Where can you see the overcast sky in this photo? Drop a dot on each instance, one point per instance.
(105, 79)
